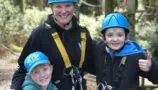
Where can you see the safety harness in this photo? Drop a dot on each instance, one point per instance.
(72, 71)
(105, 86)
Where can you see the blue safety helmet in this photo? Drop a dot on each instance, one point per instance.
(115, 20)
(34, 59)
(56, 1)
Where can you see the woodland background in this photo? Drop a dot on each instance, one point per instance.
(19, 17)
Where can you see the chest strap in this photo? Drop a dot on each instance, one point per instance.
(63, 50)
(119, 72)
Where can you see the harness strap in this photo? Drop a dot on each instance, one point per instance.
(123, 61)
(120, 71)
(83, 48)
(63, 50)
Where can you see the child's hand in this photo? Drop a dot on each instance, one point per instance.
(145, 64)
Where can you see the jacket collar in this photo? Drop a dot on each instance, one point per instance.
(129, 48)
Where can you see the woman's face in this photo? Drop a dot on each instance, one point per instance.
(115, 38)
(63, 12)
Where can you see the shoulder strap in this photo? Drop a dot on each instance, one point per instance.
(123, 61)
(63, 50)
(60, 45)
(83, 48)
(120, 71)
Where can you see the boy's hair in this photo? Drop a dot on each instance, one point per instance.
(34, 59)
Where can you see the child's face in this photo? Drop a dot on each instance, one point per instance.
(115, 38)
(42, 74)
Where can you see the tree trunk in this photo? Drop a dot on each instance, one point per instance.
(40, 4)
(132, 22)
(156, 5)
(91, 7)
(108, 6)
(131, 19)
(21, 4)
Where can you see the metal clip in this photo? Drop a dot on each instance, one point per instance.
(104, 86)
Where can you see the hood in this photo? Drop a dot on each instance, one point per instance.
(129, 48)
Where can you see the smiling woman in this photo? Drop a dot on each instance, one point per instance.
(68, 46)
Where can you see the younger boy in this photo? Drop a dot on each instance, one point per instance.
(39, 72)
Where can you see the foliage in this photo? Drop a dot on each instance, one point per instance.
(15, 34)
(150, 10)
(15, 26)
(147, 35)
(93, 24)
(33, 17)
(10, 19)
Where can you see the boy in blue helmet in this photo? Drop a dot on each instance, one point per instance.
(68, 46)
(119, 61)
(39, 72)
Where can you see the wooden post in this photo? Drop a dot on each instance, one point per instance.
(142, 84)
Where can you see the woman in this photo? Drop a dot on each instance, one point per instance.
(119, 61)
(65, 43)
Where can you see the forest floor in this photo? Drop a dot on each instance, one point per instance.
(8, 64)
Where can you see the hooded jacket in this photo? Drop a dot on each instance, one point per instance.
(111, 70)
(41, 40)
